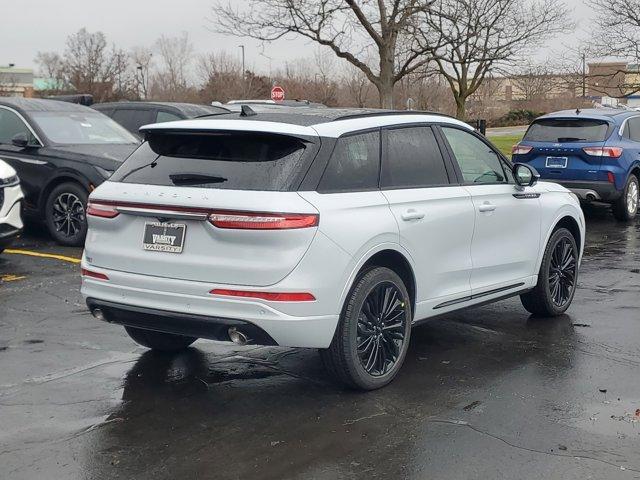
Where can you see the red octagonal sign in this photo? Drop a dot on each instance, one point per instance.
(277, 93)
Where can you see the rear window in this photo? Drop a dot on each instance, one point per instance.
(567, 130)
(220, 160)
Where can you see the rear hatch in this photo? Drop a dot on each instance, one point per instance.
(211, 206)
(564, 148)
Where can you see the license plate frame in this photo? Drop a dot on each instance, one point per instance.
(556, 162)
(167, 237)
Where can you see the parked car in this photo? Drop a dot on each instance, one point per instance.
(593, 152)
(133, 115)
(330, 229)
(10, 197)
(61, 152)
(235, 104)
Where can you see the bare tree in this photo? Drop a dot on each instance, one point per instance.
(536, 80)
(358, 86)
(176, 56)
(93, 67)
(89, 65)
(222, 79)
(142, 59)
(51, 66)
(467, 39)
(354, 30)
(623, 18)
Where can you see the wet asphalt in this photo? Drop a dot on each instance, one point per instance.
(489, 393)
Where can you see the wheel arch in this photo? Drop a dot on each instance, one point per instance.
(570, 220)
(64, 177)
(389, 256)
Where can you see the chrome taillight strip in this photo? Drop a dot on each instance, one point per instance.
(158, 212)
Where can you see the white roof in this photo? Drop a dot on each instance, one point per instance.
(333, 129)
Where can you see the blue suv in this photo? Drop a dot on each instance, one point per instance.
(593, 152)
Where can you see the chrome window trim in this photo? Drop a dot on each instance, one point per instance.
(624, 123)
(4, 107)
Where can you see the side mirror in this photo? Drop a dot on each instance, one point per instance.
(525, 175)
(20, 140)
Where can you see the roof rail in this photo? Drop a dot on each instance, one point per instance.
(379, 113)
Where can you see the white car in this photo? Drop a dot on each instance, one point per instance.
(329, 229)
(10, 203)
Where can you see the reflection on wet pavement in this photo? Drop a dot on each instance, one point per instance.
(485, 393)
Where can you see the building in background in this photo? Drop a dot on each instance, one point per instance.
(16, 82)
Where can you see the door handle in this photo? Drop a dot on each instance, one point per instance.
(487, 207)
(412, 214)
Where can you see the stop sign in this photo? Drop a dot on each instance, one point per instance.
(277, 93)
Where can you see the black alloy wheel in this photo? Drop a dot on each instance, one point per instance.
(65, 214)
(381, 327)
(562, 272)
(557, 277)
(68, 214)
(372, 337)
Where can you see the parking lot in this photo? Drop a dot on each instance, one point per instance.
(485, 393)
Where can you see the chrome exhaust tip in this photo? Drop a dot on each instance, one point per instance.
(98, 314)
(237, 336)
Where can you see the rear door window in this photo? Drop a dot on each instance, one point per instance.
(219, 160)
(354, 164)
(133, 119)
(562, 130)
(412, 159)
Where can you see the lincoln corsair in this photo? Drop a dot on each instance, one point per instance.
(329, 229)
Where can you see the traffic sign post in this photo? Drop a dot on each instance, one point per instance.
(277, 93)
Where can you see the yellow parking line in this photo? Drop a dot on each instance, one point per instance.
(43, 255)
(11, 278)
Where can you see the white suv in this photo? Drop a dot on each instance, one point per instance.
(330, 229)
(10, 203)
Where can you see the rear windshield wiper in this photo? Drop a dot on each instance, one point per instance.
(571, 139)
(194, 179)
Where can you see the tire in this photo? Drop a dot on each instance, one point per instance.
(372, 289)
(160, 341)
(64, 214)
(626, 207)
(543, 299)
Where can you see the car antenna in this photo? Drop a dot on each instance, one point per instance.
(578, 111)
(247, 111)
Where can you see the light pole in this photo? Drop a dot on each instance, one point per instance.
(584, 75)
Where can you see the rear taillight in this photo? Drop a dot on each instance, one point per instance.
(518, 149)
(104, 210)
(613, 152)
(271, 296)
(263, 221)
(91, 274)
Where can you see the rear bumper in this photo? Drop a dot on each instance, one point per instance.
(213, 328)
(187, 308)
(591, 190)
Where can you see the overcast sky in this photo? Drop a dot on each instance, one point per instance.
(30, 26)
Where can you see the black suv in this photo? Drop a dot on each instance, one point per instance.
(61, 152)
(133, 115)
